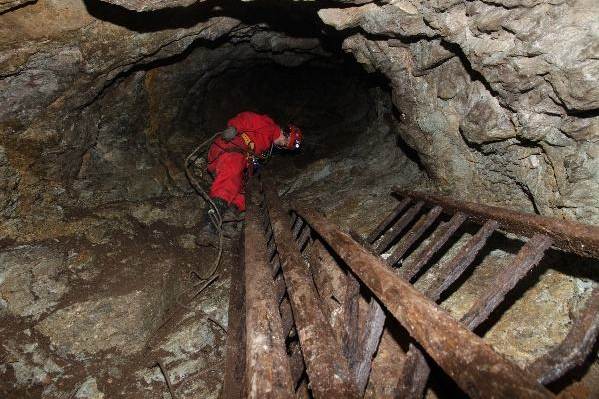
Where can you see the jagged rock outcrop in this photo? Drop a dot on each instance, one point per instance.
(499, 98)
(151, 5)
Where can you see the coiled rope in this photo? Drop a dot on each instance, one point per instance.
(214, 214)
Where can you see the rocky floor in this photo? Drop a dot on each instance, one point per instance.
(90, 314)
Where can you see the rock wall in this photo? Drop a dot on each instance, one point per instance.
(92, 98)
(499, 98)
(73, 95)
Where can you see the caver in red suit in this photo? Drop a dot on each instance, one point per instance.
(228, 160)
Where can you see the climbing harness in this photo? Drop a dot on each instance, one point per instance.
(248, 141)
(255, 161)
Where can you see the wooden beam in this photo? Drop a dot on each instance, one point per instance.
(466, 358)
(267, 373)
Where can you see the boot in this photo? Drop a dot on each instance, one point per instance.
(208, 235)
(239, 216)
(233, 217)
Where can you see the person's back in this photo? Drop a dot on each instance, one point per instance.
(260, 129)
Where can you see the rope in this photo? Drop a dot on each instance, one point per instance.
(215, 217)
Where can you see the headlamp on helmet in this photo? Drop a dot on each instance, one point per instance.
(294, 134)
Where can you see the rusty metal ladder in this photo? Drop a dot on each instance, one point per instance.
(405, 229)
(313, 309)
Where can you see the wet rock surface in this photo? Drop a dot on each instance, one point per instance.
(362, 174)
(89, 318)
(483, 89)
(31, 280)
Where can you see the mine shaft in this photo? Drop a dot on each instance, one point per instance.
(299, 199)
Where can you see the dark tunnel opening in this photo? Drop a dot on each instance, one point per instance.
(333, 103)
(315, 84)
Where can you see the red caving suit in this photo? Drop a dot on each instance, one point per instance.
(228, 160)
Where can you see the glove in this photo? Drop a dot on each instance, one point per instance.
(229, 133)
